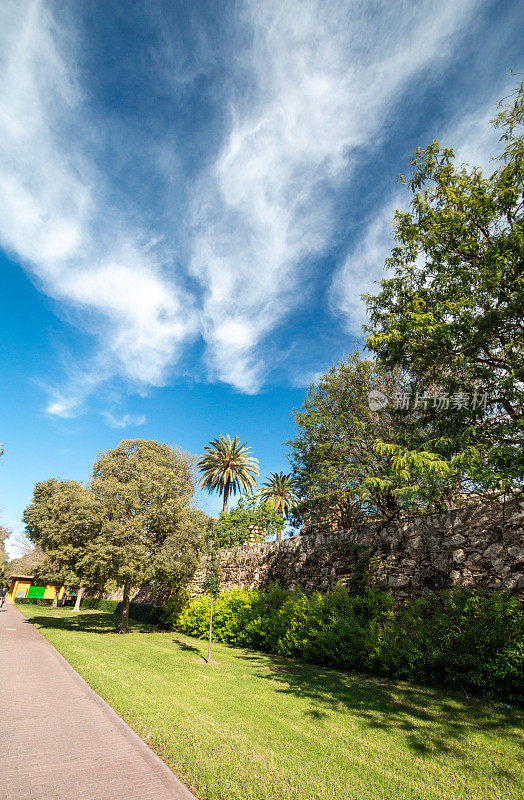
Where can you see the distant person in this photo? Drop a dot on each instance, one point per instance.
(3, 592)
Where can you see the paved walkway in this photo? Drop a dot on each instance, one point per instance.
(58, 739)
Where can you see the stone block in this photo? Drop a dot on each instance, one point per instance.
(473, 558)
(396, 581)
(492, 551)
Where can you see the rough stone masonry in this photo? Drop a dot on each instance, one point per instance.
(480, 547)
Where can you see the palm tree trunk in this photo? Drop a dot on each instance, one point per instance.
(78, 598)
(226, 498)
(280, 528)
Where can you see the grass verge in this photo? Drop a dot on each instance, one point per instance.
(250, 726)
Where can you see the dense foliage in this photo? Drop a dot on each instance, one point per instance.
(235, 527)
(341, 477)
(452, 314)
(64, 520)
(25, 564)
(177, 603)
(100, 604)
(142, 612)
(149, 531)
(133, 524)
(455, 639)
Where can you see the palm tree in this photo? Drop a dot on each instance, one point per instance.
(228, 467)
(279, 492)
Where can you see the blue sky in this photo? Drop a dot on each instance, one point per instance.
(193, 197)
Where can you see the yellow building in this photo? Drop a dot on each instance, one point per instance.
(22, 586)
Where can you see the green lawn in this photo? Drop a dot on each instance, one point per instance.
(250, 726)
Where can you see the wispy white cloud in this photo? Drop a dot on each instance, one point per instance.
(313, 87)
(124, 420)
(325, 77)
(364, 265)
(56, 216)
(475, 143)
(307, 379)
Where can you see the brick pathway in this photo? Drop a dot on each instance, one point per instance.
(58, 739)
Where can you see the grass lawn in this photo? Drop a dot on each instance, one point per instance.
(255, 727)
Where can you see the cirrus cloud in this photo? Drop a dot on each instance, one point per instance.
(309, 87)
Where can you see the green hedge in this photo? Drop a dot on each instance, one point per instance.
(455, 639)
(101, 605)
(143, 612)
(33, 601)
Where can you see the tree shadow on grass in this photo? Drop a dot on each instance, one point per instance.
(90, 622)
(430, 721)
(189, 649)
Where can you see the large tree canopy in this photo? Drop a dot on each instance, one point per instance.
(149, 531)
(341, 476)
(132, 525)
(452, 314)
(64, 520)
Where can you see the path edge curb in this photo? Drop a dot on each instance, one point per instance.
(168, 777)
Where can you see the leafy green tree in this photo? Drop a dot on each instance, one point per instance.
(451, 316)
(228, 467)
(342, 478)
(64, 519)
(249, 516)
(25, 564)
(149, 532)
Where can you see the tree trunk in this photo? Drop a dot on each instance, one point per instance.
(78, 599)
(210, 631)
(54, 604)
(123, 623)
(279, 535)
(226, 498)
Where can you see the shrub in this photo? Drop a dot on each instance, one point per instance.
(100, 604)
(33, 601)
(142, 612)
(456, 639)
(178, 601)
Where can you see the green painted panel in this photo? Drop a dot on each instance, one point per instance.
(37, 592)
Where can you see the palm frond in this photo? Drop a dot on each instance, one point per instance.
(226, 466)
(279, 492)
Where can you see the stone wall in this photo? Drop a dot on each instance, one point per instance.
(480, 547)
